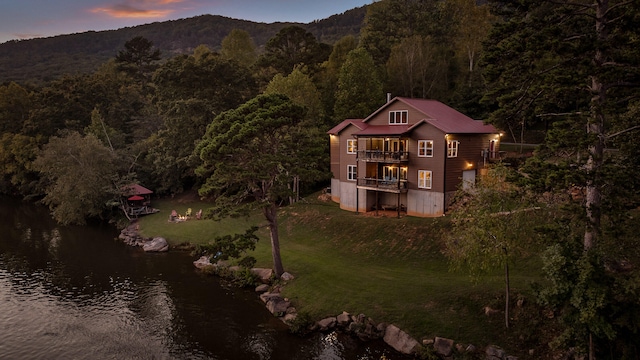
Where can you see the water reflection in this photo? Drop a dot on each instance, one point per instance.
(75, 293)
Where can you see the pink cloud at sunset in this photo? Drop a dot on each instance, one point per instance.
(139, 9)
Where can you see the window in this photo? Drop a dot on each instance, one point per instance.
(398, 117)
(352, 146)
(452, 148)
(352, 172)
(424, 179)
(425, 148)
(390, 173)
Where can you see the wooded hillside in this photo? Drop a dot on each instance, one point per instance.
(44, 59)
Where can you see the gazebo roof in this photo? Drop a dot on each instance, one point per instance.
(135, 189)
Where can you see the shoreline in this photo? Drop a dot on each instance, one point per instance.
(360, 326)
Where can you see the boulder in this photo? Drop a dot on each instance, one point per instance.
(204, 263)
(262, 288)
(494, 353)
(277, 306)
(343, 319)
(157, 244)
(400, 340)
(287, 277)
(326, 324)
(443, 346)
(263, 274)
(289, 318)
(266, 297)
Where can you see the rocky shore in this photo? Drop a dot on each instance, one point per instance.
(360, 326)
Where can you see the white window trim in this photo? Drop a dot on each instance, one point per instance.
(404, 117)
(426, 148)
(452, 148)
(354, 146)
(423, 184)
(351, 172)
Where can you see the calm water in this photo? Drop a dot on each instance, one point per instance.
(76, 293)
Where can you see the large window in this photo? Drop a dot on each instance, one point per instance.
(425, 148)
(398, 117)
(352, 172)
(352, 146)
(452, 148)
(424, 179)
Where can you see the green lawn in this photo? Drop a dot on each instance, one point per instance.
(387, 268)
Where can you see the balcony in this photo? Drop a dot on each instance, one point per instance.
(386, 185)
(383, 156)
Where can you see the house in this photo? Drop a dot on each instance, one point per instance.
(410, 155)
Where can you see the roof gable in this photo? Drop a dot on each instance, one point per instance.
(441, 116)
(336, 130)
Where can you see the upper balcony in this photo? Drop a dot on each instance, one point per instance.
(383, 156)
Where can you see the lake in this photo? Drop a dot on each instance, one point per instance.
(70, 292)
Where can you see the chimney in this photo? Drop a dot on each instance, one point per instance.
(388, 96)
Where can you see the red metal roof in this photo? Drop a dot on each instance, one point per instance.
(135, 189)
(384, 130)
(443, 117)
(338, 128)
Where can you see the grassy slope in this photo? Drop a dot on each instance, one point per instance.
(387, 268)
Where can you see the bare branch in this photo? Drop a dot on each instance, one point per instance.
(622, 132)
(560, 114)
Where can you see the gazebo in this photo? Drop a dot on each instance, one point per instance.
(136, 200)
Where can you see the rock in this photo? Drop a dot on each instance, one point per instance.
(204, 263)
(158, 244)
(287, 276)
(277, 305)
(400, 340)
(262, 288)
(326, 324)
(443, 346)
(289, 318)
(427, 342)
(265, 297)
(264, 274)
(494, 353)
(511, 357)
(344, 319)
(471, 348)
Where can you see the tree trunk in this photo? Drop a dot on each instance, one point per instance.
(595, 128)
(507, 290)
(271, 214)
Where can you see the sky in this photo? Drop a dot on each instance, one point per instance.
(26, 19)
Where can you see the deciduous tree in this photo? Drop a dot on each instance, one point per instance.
(359, 88)
(239, 46)
(80, 177)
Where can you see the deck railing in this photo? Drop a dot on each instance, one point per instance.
(383, 184)
(383, 156)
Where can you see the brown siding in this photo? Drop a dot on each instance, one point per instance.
(435, 163)
(382, 118)
(469, 157)
(346, 159)
(334, 148)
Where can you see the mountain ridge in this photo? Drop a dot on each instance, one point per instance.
(38, 60)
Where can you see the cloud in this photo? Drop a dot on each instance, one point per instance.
(139, 9)
(23, 36)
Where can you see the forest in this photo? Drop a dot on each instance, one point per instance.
(243, 120)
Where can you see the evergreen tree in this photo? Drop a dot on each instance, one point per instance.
(251, 156)
(576, 66)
